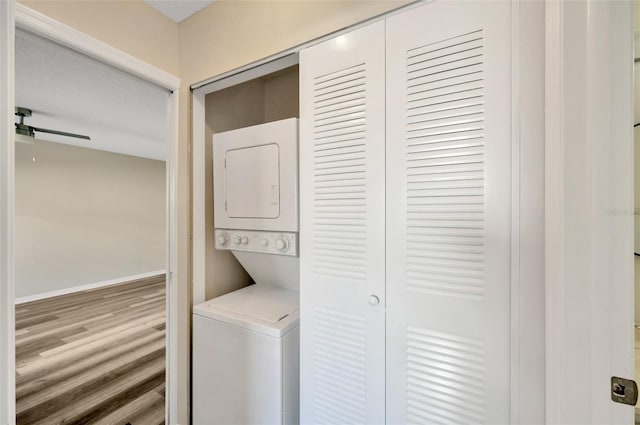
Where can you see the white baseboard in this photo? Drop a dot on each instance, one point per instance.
(86, 287)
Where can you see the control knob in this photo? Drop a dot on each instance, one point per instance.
(222, 240)
(244, 240)
(282, 243)
(237, 240)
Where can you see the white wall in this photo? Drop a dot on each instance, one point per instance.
(85, 216)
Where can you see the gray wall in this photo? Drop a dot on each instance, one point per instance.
(85, 216)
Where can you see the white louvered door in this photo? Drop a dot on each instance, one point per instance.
(342, 208)
(448, 213)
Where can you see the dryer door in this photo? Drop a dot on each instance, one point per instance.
(255, 177)
(252, 182)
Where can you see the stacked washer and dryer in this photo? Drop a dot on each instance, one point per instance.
(246, 343)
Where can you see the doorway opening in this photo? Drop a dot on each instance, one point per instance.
(90, 261)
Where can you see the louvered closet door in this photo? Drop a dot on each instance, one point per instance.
(448, 213)
(342, 229)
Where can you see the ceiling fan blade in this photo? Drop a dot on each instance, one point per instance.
(61, 133)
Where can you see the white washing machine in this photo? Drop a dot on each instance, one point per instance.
(246, 359)
(246, 343)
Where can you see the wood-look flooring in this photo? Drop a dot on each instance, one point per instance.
(93, 357)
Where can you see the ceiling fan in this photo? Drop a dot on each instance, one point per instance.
(26, 133)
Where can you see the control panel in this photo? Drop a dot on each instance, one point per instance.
(280, 243)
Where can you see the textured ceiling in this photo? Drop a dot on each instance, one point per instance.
(70, 92)
(178, 10)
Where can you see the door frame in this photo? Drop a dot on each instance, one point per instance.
(15, 15)
(589, 209)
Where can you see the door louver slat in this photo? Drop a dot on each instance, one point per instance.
(445, 141)
(342, 156)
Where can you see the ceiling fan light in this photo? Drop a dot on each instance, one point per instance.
(22, 138)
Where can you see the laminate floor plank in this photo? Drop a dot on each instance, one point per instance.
(91, 377)
(160, 389)
(119, 313)
(132, 288)
(149, 301)
(99, 337)
(123, 397)
(95, 327)
(131, 291)
(46, 343)
(93, 357)
(56, 328)
(105, 305)
(49, 377)
(21, 332)
(29, 315)
(120, 322)
(120, 317)
(26, 323)
(35, 365)
(126, 412)
(153, 415)
(82, 403)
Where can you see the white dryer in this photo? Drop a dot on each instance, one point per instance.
(255, 177)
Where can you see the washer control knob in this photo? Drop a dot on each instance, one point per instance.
(282, 243)
(222, 240)
(373, 300)
(244, 240)
(237, 240)
(265, 242)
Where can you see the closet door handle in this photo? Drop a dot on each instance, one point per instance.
(374, 300)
